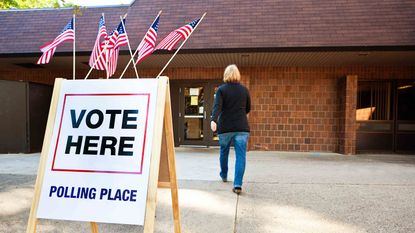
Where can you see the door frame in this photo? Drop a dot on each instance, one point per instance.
(177, 91)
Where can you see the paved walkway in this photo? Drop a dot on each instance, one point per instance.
(283, 192)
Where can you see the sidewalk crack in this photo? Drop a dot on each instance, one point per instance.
(236, 214)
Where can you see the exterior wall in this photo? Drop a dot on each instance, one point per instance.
(347, 114)
(293, 108)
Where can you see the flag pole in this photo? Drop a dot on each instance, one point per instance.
(129, 47)
(74, 39)
(180, 46)
(131, 59)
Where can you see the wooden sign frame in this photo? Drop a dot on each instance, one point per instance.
(162, 164)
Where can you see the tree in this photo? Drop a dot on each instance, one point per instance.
(19, 4)
(6, 4)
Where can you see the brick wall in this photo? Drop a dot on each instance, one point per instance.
(293, 109)
(347, 114)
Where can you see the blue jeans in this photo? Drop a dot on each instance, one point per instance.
(239, 141)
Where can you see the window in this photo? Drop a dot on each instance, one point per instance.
(373, 101)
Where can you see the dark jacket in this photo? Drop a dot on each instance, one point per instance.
(232, 103)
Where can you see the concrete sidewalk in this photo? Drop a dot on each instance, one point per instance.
(283, 192)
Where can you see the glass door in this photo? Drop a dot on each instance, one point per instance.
(194, 118)
(194, 109)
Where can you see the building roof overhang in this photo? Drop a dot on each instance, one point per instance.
(267, 33)
(316, 57)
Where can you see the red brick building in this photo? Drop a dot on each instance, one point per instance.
(332, 76)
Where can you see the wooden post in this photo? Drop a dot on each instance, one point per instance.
(164, 176)
(31, 225)
(167, 173)
(94, 227)
(155, 157)
(169, 139)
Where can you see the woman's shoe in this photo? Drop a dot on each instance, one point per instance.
(237, 190)
(224, 179)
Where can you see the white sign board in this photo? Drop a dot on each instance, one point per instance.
(97, 169)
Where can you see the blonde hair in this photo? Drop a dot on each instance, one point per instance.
(231, 74)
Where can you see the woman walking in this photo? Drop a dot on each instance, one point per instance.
(229, 118)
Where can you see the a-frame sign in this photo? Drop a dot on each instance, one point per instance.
(108, 145)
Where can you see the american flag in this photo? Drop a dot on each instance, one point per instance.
(112, 55)
(100, 64)
(175, 36)
(147, 45)
(67, 34)
(116, 39)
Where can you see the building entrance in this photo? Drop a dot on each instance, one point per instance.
(386, 116)
(192, 110)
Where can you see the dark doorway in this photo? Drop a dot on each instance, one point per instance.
(13, 117)
(192, 110)
(23, 115)
(386, 116)
(39, 102)
(405, 115)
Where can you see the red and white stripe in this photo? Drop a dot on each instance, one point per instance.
(170, 41)
(117, 40)
(46, 56)
(100, 63)
(185, 31)
(49, 48)
(147, 45)
(121, 40)
(112, 55)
